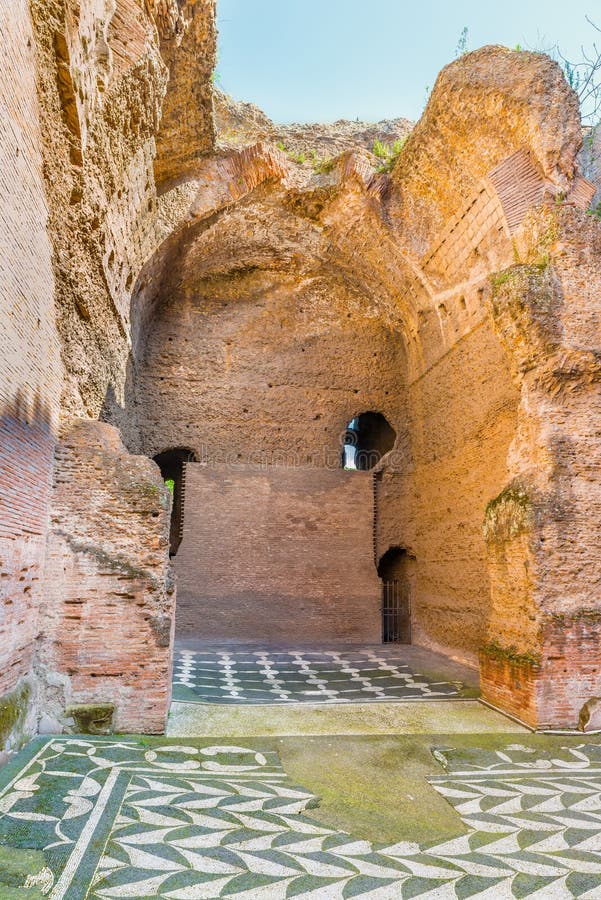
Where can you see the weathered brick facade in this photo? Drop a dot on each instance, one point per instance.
(80, 96)
(30, 370)
(108, 609)
(278, 554)
(245, 307)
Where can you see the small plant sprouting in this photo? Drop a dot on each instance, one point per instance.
(462, 44)
(323, 166)
(299, 157)
(388, 153)
(595, 211)
(379, 150)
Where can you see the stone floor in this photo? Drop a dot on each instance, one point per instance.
(115, 818)
(352, 674)
(389, 782)
(419, 717)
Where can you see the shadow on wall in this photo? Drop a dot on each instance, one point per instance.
(27, 444)
(31, 411)
(122, 413)
(26, 452)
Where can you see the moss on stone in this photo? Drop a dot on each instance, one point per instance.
(525, 286)
(16, 865)
(15, 861)
(13, 711)
(146, 489)
(92, 718)
(500, 278)
(508, 514)
(494, 650)
(20, 893)
(354, 779)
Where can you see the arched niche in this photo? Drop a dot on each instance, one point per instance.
(172, 463)
(368, 437)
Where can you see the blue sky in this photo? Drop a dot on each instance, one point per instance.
(321, 60)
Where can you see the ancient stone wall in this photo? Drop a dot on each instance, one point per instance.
(277, 554)
(542, 530)
(187, 131)
(262, 367)
(252, 305)
(238, 124)
(108, 608)
(101, 82)
(30, 371)
(463, 414)
(81, 92)
(456, 400)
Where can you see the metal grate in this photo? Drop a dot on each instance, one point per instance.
(396, 613)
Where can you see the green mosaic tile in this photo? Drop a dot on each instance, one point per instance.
(109, 818)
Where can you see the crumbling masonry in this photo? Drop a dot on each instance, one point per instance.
(171, 278)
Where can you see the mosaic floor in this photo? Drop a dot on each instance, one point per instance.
(127, 818)
(302, 676)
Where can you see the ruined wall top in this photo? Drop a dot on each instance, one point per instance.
(485, 106)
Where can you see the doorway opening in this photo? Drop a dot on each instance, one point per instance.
(394, 570)
(172, 465)
(368, 437)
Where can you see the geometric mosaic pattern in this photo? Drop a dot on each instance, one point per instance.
(304, 676)
(122, 818)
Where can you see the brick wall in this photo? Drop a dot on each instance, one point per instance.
(511, 685)
(258, 368)
(463, 414)
(30, 373)
(277, 554)
(571, 667)
(108, 608)
(552, 693)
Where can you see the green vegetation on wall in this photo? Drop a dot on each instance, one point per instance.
(388, 153)
(13, 714)
(508, 514)
(496, 651)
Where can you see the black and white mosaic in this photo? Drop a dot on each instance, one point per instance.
(236, 676)
(112, 818)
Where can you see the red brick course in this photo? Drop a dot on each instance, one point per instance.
(30, 372)
(278, 554)
(108, 611)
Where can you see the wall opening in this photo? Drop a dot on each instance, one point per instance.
(172, 466)
(395, 570)
(367, 438)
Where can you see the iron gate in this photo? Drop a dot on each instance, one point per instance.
(396, 613)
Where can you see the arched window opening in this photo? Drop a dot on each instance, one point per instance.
(368, 437)
(171, 463)
(394, 569)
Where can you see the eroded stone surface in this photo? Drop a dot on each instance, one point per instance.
(107, 617)
(232, 300)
